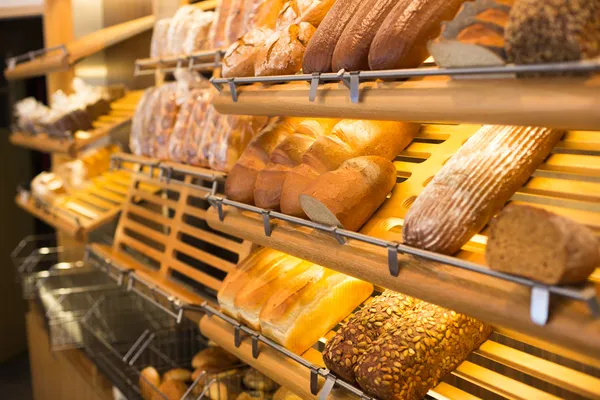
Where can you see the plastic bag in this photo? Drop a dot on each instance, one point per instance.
(167, 108)
(198, 30)
(150, 122)
(196, 99)
(159, 43)
(203, 135)
(138, 123)
(178, 28)
(29, 112)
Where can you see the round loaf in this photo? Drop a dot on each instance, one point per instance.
(171, 390)
(257, 381)
(178, 374)
(240, 56)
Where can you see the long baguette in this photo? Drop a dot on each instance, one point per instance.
(474, 185)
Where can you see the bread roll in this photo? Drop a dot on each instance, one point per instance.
(264, 13)
(542, 246)
(281, 53)
(213, 359)
(252, 266)
(257, 381)
(171, 390)
(178, 374)
(314, 11)
(348, 139)
(251, 298)
(412, 356)
(319, 52)
(240, 56)
(475, 184)
(240, 182)
(401, 41)
(352, 49)
(218, 391)
(348, 196)
(149, 382)
(353, 339)
(309, 305)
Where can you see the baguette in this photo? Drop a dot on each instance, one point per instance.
(354, 338)
(352, 49)
(319, 52)
(542, 246)
(474, 185)
(252, 266)
(177, 374)
(348, 196)
(401, 41)
(240, 182)
(309, 305)
(348, 139)
(422, 346)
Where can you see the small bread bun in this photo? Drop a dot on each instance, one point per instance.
(171, 390)
(177, 374)
(257, 381)
(149, 382)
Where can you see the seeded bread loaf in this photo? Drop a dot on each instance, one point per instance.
(474, 185)
(542, 246)
(352, 340)
(412, 356)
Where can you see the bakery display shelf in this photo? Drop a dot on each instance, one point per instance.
(431, 96)
(62, 57)
(199, 61)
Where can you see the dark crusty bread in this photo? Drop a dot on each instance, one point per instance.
(319, 51)
(354, 338)
(411, 356)
(474, 185)
(401, 42)
(352, 49)
(542, 246)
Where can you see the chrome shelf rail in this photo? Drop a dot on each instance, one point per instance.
(12, 62)
(199, 61)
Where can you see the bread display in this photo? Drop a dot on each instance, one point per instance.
(352, 49)
(240, 182)
(422, 346)
(541, 31)
(401, 41)
(310, 305)
(349, 195)
(314, 11)
(241, 55)
(475, 184)
(348, 139)
(475, 37)
(539, 245)
(281, 53)
(319, 51)
(264, 13)
(234, 24)
(355, 337)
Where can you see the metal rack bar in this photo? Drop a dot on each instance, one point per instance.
(12, 62)
(210, 60)
(352, 79)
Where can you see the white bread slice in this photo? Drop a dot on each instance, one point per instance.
(310, 305)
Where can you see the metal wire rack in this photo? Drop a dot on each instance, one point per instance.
(231, 384)
(12, 62)
(352, 79)
(199, 61)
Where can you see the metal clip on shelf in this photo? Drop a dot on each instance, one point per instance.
(352, 79)
(209, 61)
(166, 173)
(540, 293)
(12, 62)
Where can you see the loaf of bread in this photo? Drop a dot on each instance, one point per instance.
(287, 15)
(241, 180)
(314, 11)
(401, 41)
(352, 49)
(319, 52)
(251, 267)
(281, 53)
(422, 346)
(251, 298)
(310, 305)
(214, 359)
(542, 246)
(541, 31)
(149, 382)
(354, 338)
(177, 374)
(234, 25)
(240, 56)
(349, 195)
(474, 185)
(348, 139)
(288, 154)
(171, 390)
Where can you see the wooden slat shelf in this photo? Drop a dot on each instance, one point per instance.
(568, 103)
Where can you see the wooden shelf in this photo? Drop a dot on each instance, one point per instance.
(566, 103)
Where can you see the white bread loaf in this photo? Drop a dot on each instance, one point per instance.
(310, 305)
(253, 265)
(475, 184)
(348, 196)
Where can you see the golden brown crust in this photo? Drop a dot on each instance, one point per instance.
(177, 374)
(171, 390)
(149, 382)
(240, 56)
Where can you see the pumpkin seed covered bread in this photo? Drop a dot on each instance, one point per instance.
(354, 338)
(415, 352)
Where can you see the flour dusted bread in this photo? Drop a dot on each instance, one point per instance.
(240, 56)
(309, 305)
(542, 246)
(349, 195)
(474, 185)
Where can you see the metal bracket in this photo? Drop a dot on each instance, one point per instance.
(393, 265)
(314, 85)
(255, 349)
(237, 336)
(218, 86)
(354, 82)
(327, 388)
(232, 89)
(267, 222)
(334, 231)
(218, 203)
(540, 305)
(214, 187)
(314, 381)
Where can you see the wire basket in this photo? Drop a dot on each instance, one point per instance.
(245, 384)
(66, 296)
(37, 257)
